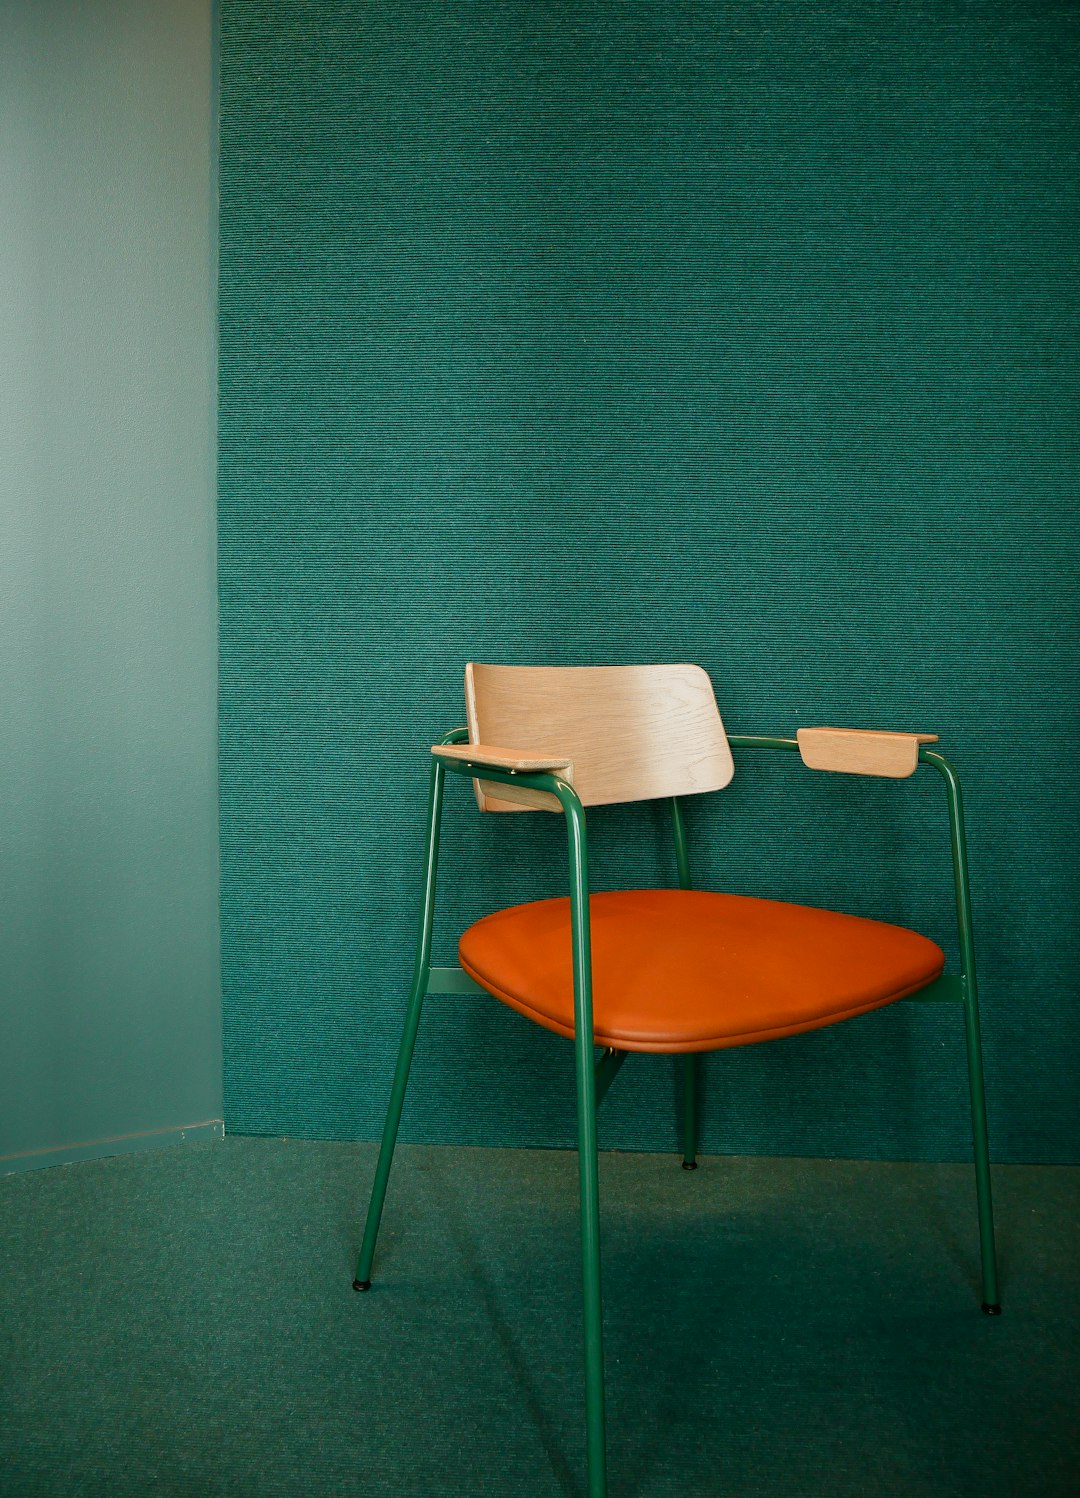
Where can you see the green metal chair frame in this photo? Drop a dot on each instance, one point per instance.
(594, 1077)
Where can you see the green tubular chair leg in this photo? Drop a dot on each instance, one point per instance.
(691, 1074)
(691, 1065)
(991, 1300)
(421, 974)
(588, 1164)
(595, 1435)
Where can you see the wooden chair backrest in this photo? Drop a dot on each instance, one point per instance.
(633, 733)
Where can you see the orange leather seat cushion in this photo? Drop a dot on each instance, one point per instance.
(687, 970)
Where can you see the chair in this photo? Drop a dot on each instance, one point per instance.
(675, 971)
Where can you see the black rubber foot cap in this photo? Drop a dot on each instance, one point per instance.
(361, 1284)
(689, 1165)
(989, 1310)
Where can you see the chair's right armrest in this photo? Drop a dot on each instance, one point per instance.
(862, 751)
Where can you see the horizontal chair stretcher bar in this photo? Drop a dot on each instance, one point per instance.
(443, 980)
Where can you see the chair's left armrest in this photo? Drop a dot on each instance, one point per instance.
(862, 751)
(527, 761)
(506, 792)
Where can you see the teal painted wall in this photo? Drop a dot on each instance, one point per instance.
(109, 960)
(740, 334)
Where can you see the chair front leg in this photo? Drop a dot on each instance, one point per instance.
(588, 1164)
(592, 1304)
(691, 1064)
(991, 1296)
(421, 976)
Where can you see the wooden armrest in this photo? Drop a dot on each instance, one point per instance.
(525, 760)
(862, 751)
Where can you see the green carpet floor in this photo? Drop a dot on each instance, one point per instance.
(182, 1322)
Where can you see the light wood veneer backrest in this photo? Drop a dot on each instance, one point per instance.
(633, 733)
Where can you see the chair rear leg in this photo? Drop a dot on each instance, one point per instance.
(691, 1064)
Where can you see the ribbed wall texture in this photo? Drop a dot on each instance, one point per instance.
(734, 333)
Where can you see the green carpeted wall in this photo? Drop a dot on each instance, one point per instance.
(598, 332)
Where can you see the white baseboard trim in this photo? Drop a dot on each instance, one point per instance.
(122, 1144)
